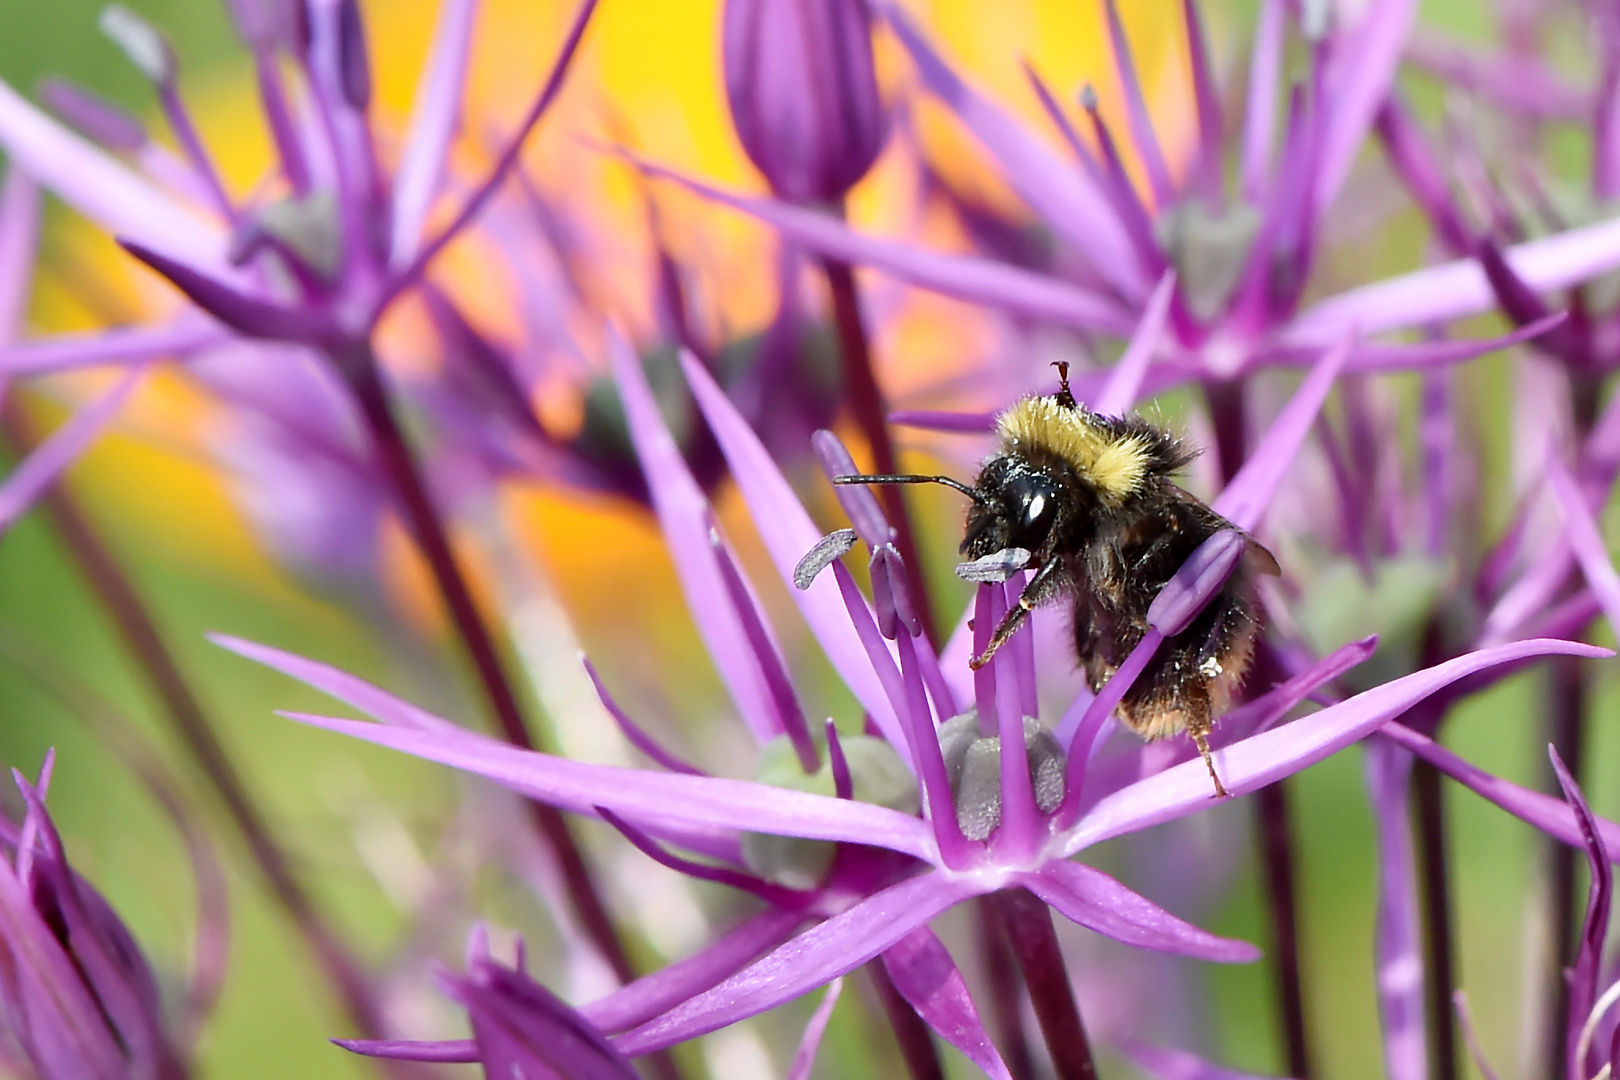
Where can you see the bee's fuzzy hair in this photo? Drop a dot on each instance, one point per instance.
(1115, 456)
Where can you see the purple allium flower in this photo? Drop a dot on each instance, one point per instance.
(1242, 258)
(77, 998)
(1036, 827)
(802, 84)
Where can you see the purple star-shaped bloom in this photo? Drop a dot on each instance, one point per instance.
(1030, 847)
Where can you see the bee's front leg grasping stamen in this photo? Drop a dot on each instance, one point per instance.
(1046, 584)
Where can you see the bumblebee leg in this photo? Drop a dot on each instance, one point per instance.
(1201, 740)
(1046, 584)
(1199, 724)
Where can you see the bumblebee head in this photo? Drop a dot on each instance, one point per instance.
(1016, 506)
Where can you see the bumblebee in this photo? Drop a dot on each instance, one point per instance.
(1088, 503)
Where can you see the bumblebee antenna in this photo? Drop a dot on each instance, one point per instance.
(910, 478)
(1065, 396)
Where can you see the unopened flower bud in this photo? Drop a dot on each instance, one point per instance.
(803, 91)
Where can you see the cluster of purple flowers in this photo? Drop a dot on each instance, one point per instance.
(936, 786)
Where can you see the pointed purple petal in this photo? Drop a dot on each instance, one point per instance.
(1134, 217)
(878, 655)
(1250, 718)
(1366, 358)
(1245, 499)
(1086, 895)
(1518, 82)
(1255, 762)
(445, 1051)
(1062, 196)
(506, 160)
(976, 280)
(1265, 710)
(648, 798)
(1416, 164)
(686, 519)
(1136, 112)
(1260, 115)
(1124, 383)
(804, 1059)
(242, 313)
(1456, 290)
(524, 1030)
(1060, 120)
(339, 684)
(1585, 973)
(1211, 125)
(934, 420)
(860, 505)
(103, 189)
(20, 203)
(659, 991)
(69, 352)
(814, 958)
(1359, 82)
(92, 115)
(788, 533)
(1399, 949)
(434, 118)
(1465, 1021)
(775, 895)
(929, 761)
(1164, 1063)
(1582, 532)
(633, 732)
(927, 977)
(41, 468)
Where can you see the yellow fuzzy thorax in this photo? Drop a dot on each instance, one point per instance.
(1115, 466)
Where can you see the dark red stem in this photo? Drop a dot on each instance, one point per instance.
(398, 463)
(1276, 834)
(916, 1041)
(1028, 922)
(866, 402)
(1001, 970)
(1568, 707)
(1441, 973)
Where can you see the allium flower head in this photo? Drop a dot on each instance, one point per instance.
(1239, 261)
(1012, 829)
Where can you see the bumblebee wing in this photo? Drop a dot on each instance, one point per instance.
(1257, 555)
(1260, 557)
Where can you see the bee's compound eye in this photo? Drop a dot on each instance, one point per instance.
(1037, 501)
